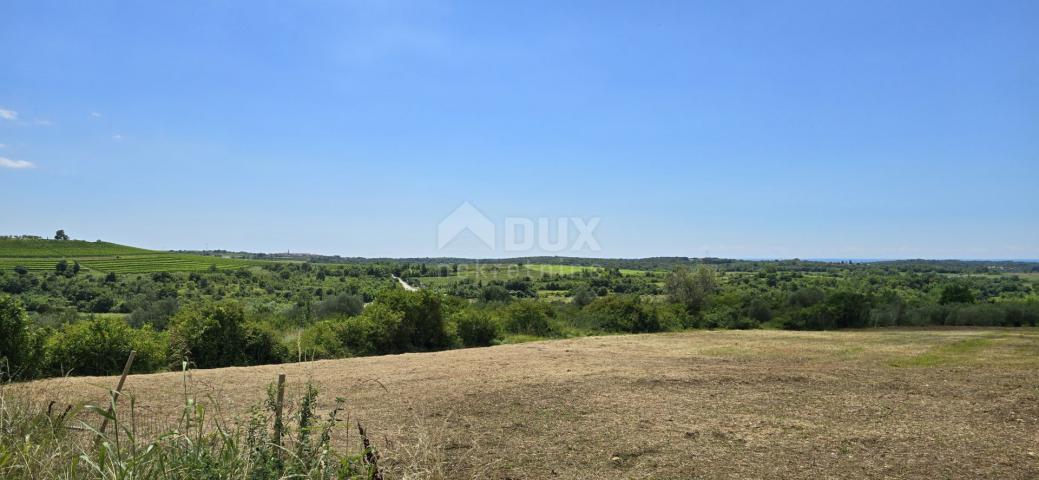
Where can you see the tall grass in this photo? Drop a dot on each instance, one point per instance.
(43, 442)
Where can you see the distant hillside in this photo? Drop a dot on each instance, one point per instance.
(104, 257)
(25, 248)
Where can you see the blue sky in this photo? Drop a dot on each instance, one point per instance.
(879, 129)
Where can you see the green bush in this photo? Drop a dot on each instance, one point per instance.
(583, 296)
(476, 328)
(101, 345)
(675, 316)
(261, 345)
(378, 330)
(625, 313)
(156, 313)
(21, 345)
(321, 340)
(343, 304)
(495, 293)
(1022, 314)
(422, 325)
(840, 309)
(927, 315)
(14, 324)
(956, 293)
(209, 335)
(527, 316)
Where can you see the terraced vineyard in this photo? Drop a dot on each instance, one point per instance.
(105, 257)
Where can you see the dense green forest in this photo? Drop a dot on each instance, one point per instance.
(72, 319)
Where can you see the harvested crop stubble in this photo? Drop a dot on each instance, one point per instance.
(714, 404)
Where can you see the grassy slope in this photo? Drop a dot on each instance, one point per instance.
(911, 403)
(104, 257)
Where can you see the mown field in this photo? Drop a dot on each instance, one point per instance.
(889, 403)
(104, 257)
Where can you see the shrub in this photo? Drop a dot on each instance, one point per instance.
(14, 323)
(156, 313)
(101, 345)
(342, 304)
(321, 340)
(675, 316)
(374, 331)
(928, 315)
(956, 293)
(806, 297)
(758, 310)
(583, 296)
(422, 326)
(476, 328)
(21, 345)
(494, 293)
(261, 346)
(102, 304)
(625, 313)
(209, 335)
(984, 315)
(1022, 314)
(528, 316)
(839, 310)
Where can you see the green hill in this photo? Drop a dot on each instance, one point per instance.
(105, 257)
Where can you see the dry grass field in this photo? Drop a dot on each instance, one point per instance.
(960, 403)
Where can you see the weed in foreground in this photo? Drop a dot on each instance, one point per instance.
(38, 442)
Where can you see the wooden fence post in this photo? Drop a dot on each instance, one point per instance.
(278, 426)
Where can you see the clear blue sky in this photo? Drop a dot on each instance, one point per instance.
(871, 129)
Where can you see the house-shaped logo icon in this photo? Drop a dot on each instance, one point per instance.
(466, 217)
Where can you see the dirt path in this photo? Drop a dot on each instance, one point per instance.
(404, 284)
(713, 404)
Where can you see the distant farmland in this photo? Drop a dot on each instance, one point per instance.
(105, 257)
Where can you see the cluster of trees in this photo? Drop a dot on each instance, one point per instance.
(53, 323)
(207, 335)
(288, 293)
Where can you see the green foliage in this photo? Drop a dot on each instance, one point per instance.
(495, 293)
(315, 309)
(156, 313)
(101, 345)
(625, 313)
(422, 326)
(530, 317)
(321, 340)
(806, 297)
(209, 335)
(342, 304)
(476, 328)
(692, 289)
(378, 330)
(841, 309)
(261, 345)
(956, 293)
(21, 345)
(14, 333)
(583, 295)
